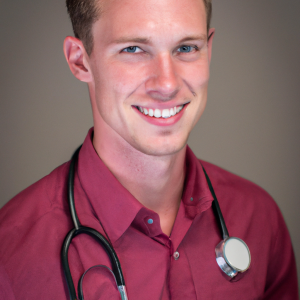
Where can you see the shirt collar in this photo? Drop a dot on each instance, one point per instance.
(196, 194)
(115, 207)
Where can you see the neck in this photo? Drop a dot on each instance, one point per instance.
(155, 181)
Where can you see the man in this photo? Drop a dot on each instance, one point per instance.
(146, 64)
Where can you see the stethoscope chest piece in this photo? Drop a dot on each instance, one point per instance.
(233, 256)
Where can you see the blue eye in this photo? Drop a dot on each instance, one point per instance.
(188, 49)
(131, 49)
(185, 49)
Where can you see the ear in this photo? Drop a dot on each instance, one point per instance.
(211, 35)
(76, 57)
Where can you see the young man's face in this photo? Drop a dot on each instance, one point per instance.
(150, 66)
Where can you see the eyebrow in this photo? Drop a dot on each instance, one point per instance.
(201, 37)
(140, 40)
(143, 40)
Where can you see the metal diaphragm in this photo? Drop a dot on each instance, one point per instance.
(233, 256)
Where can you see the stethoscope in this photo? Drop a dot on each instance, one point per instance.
(232, 254)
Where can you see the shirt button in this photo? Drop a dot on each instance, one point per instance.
(176, 255)
(150, 221)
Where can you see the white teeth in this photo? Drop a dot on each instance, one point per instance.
(165, 113)
(179, 108)
(157, 113)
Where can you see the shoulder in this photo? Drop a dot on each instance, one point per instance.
(252, 215)
(27, 209)
(38, 197)
(247, 208)
(237, 189)
(33, 226)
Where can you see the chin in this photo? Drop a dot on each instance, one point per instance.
(161, 148)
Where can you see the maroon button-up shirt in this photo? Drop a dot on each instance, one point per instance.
(155, 266)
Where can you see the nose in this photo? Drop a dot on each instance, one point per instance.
(163, 83)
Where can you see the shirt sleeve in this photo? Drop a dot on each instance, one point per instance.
(282, 280)
(6, 291)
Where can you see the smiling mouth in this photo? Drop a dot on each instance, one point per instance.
(160, 113)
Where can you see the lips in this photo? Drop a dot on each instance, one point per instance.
(160, 113)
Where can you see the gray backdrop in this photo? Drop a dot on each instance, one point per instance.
(250, 126)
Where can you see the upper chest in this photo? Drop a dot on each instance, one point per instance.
(158, 267)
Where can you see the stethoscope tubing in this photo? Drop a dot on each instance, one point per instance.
(79, 229)
(116, 266)
(217, 209)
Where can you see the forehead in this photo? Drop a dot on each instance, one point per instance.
(151, 17)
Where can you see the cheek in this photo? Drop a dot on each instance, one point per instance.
(198, 76)
(123, 79)
(114, 84)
